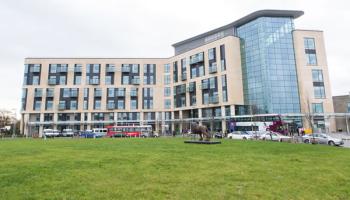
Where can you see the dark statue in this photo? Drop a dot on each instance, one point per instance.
(201, 130)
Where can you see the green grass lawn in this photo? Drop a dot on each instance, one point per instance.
(166, 168)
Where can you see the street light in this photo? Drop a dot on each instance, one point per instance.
(14, 123)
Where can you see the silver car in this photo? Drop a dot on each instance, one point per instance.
(321, 138)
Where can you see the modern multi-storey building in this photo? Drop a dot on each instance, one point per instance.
(342, 108)
(259, 64)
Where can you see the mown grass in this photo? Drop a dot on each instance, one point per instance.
(166, 168)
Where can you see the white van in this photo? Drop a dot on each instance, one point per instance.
(51, 133)
(100, 131)
(67, 133)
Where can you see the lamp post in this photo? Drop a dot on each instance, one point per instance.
(14, 124)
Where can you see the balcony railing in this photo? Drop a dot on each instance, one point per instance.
(181, 90)
(98, 93)
(49, 94)
(74, 93)
(126, 68)
(213, 68)
(191, 88)
(110, 105)
(52, 82)
(38, 94)
(94, 81)
(135, 81)
(64, 68)
(214, 99)
(121, 93)
(110, 69)
(35, 69)
(62, 106)
(205, 86)
(196, 58)
(77, 69)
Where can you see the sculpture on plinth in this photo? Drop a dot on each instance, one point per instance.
(200, 130)
(203, 133)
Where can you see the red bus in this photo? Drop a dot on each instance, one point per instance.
(128, 131)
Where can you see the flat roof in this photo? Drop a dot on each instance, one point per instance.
(28, 58)
(260, 13)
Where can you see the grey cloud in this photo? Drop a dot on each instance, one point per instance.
(136, 28)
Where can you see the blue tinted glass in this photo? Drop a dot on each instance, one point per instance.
(268, 65)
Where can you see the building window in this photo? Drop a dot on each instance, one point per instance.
(224, 88)
(49, 105)
(62, 80)
(167, 103)
(206, 98)
(125, 80)
(317, 75)
(317, 108)
(167, 91)
(175, 72)
(147, 96)
(133, 104)
(135, 68)
(197, 65)
(66, 92)
(110, 92)
(317, 78)
(222, 57)
(37, 105)
(149, 74)
(77, 80)
(108, 80)
(86, 92)
(110, 104)
(36, 80)
(319, 92)
(211, 54)
(309, 43)
(349, 107)
(120, 104)
(96, 68)
(97, 104)
(227, 111)
(48, 117)
(167, 79)
(73, 105)
(167, 68)
(86, 105)
(310, 51)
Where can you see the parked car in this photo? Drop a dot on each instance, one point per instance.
(90, 134)
(274, 137)
(321, 138)
(51, 133)
(148, 134)
(241, 135)
(218, 135)
(67, 133)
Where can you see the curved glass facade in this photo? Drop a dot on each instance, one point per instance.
(268, 65)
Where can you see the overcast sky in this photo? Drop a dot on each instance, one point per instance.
(139, 28)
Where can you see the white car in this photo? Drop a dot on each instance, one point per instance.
(240, 135)
(67, 133)
(320, 138)
(275, 137)
(51, 133)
